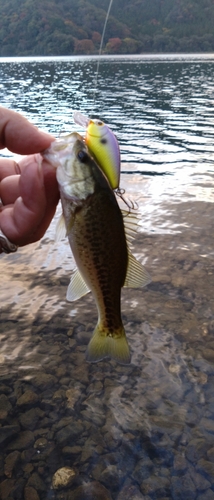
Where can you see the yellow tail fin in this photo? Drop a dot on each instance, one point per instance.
(103, 345)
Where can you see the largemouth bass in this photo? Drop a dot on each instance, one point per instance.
(95, 229)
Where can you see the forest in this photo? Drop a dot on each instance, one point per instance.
(72, 27)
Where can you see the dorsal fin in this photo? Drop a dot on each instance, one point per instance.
(131, 221)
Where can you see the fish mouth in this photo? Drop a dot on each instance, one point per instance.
(61, 148)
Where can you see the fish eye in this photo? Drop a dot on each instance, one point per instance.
(103, 141)
(99, 123)
(82, 156)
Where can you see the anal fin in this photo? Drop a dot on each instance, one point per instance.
(77, 287)
(137, 276)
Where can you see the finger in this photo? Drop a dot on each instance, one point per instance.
(8, 167)
(21, 221)
(19, 135)
(9, 189)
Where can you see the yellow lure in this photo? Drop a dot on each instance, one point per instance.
(103, 146)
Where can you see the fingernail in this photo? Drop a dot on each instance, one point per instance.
(50, 137)
(28, 160)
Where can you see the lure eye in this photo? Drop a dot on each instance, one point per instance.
(99, 123)
(82, 156)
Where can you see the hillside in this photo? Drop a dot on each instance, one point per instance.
(64, 27)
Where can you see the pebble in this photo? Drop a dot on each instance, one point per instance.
(7, 432)
(44, 381)
(40, 443)
(112, 475)
(29, 419)
(196, 449)
(31, 494)
(72, 396)
(28, 398)
(180, 463)
(155, 485)
(206, 495)
(183, 488)
(130, 492)
(36, 482)
(63, 477)
(210, 454)
(90, 491)
(206, 466)
(69, 434)
(24, 440)
(11, 462)
(5, 406)
(5, 488)
(72, 451)
(207, 424)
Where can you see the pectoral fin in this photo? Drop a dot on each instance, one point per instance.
(137, 276)
(77, 287)
(60, 229)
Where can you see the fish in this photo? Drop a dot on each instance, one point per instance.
(103, 146)
(94, 224)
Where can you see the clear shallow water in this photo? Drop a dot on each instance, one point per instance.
(144, 431)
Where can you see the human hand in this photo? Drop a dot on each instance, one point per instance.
(28, 189)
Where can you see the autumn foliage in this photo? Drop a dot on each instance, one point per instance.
(66, 27)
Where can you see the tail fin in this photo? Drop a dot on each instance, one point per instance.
(103, 345)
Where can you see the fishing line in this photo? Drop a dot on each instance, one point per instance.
(100, 51)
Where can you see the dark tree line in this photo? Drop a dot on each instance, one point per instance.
(66, 27)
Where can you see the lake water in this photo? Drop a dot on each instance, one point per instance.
(145, 431)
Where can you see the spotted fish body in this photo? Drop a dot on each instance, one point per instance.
(95, 229)
(98, 243)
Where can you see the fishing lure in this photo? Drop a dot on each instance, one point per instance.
(103, 146)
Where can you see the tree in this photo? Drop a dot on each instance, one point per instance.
(84, 47)
(130, 46)
(113, 46)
